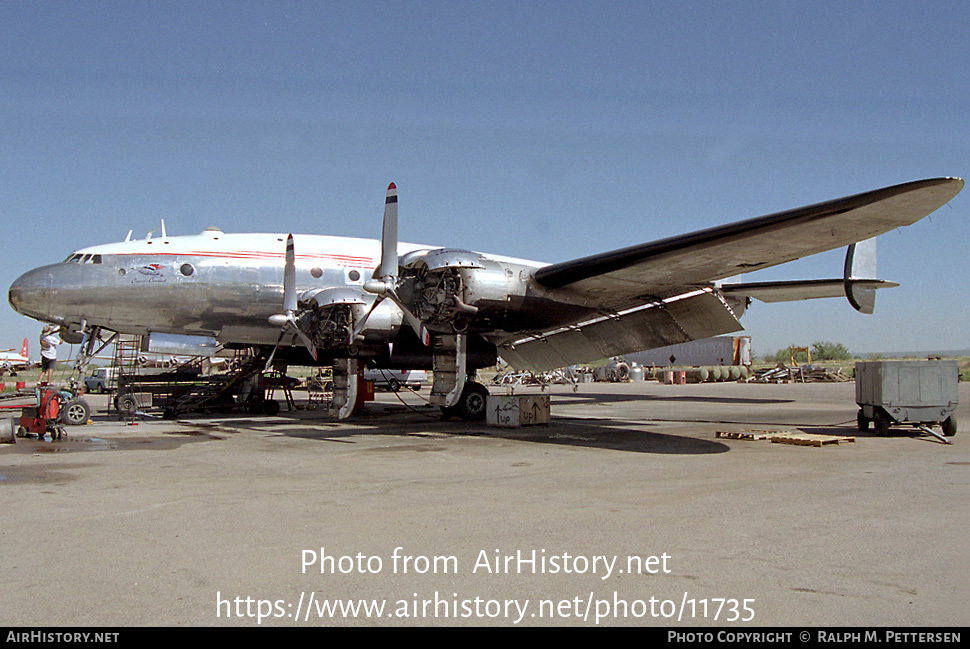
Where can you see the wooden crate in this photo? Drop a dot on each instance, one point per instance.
(513, 411)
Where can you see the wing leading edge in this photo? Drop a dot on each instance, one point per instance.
(623, 278)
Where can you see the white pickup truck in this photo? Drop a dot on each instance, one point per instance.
(102, 379)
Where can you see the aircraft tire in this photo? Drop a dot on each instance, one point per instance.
(472, 404)
(76, 412)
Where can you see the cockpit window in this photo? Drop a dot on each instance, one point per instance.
(78, 258)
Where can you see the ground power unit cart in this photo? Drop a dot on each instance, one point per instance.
(917, 393)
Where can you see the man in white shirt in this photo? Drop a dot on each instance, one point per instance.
(49, 340)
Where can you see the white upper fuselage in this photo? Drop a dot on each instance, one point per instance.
(311, 249)
(214, 284)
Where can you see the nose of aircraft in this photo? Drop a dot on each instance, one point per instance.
(30, 293)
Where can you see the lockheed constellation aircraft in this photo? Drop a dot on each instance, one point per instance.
(313, 299)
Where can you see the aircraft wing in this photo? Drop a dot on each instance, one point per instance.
(661, 293)
(630, 276)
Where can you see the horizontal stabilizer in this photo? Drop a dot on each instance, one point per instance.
(808, 289)
(858, 283)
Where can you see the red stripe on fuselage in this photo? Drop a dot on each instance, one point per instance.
(246, 254)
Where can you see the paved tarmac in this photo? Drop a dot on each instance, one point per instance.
(627, 509)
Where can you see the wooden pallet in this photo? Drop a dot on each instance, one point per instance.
(807, 439)
(755, 434)
(795, 437)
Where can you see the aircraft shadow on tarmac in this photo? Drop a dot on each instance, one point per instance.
(398, 421)
(615, 434)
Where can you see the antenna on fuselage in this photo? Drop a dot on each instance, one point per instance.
(128, 238)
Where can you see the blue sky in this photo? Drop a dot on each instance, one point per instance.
(544, 130)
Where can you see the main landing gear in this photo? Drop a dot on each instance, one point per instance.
(470, 405)
(452, 391)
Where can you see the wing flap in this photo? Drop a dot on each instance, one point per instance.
(622, 278)
(699, 314)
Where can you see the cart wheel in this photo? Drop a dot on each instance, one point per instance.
(949, 426)
(127, 406)
(882, 422)
(271, 407)
(76, 412)
(21, 431)
(863, 422)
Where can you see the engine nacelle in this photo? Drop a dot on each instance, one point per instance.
(334, 311)
(455, 289)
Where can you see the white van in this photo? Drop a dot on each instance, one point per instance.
(393, 380)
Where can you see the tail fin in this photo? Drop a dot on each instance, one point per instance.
(860, 264)
(23, 350)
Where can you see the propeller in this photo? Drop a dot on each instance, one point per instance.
(384, 283)
(287, 320)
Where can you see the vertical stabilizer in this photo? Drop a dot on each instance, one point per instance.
(860, 264)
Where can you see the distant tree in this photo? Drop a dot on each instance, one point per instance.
(826, 351)
(821, 351)
(784, 355)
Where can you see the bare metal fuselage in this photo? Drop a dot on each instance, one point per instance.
(181, 285)
(227, 286)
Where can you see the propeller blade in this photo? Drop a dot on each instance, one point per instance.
(272, 354)
(269, 361)
(385, 279)
(310, 347)
(412, 319)
(287, 319)
(360, 325)
(289, 277)
(388, 266)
